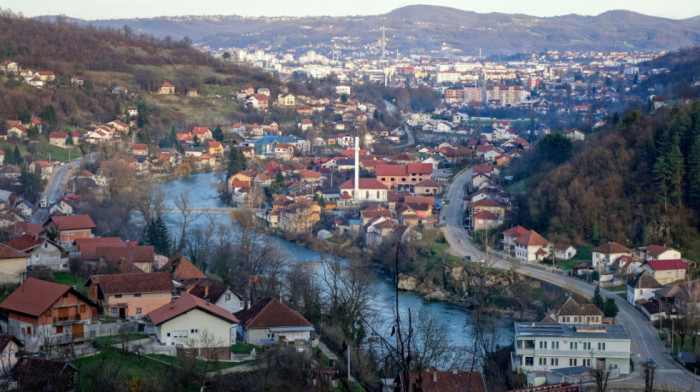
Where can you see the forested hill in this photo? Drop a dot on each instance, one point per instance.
(104, 59)
(636, 184)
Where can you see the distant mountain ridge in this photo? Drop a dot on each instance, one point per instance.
(424, 29)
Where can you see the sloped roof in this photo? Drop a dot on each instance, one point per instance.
(35, 296)
(181, 269)
(25, 228)
(269, 312)
(132, 253)
(88, 246)
(515, 232)
(26, 242)
(7, 252)
(656, 250)
(133, 283)
(667, 265)
(644, 280)
(72, 222)
(531, 238)
(185, 304)
(486, 203)
(611, 248)
(572, 308)
(364, 183)
(433, 380)
(486, 215)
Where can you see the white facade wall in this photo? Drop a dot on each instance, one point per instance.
(187, 328)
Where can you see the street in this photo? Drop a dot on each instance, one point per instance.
(646, 343)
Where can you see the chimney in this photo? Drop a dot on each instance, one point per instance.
(206, 291)
(434, 376)
(356, 193)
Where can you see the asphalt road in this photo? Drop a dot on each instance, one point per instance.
(645, 339)
(54, 189)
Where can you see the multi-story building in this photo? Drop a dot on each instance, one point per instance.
(403, 177)
(550, 346)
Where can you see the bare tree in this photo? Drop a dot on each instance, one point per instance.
(183, 204)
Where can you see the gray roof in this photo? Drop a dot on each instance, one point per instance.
(644, 280)
(572, 331)
(5, 195)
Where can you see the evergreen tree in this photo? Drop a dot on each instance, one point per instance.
(25, 116)
(278, 185)
(597, 298)
(157, 234)
(49, 117)
(17, 156)
(33, 132)
(236, 162)
(196, 142)
(610, 308)
(694, 172)
(69, 140)
(676, 173)
(143, 113)
(218, 134)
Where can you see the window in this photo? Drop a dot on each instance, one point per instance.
(113, 310)
(542, 361)
(601, 346)
(137, 294)
(555, 345)
(587, 345)
(117, 295)
(529, 361)
(271, 335)
(138, 310)
(586, 362)
(573, 346)
(59, 329)
(228, 297)
(543, 344)
(554, 361)
(48, 313)
(29, 330)
(572, 362)
(83, 308)
(194, 331)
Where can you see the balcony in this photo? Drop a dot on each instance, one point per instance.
(64, 320)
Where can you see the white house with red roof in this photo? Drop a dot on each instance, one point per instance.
(667, 271)
(509, 237)
(370, 190)
(196, 324)
(167, 89)
(658, 252)
(58, 138)
(531, 246)
(269, 321)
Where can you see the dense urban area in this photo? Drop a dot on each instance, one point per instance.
(180, 217)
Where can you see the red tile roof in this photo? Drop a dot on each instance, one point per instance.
(515, 232)
(58, 135)
(88, 246)
(531, 238)
(25, 228)
(433, 380)
(72, 222)
(35, 296)
(185, 304)
(26, 242)
(180, 268)
(611, 248)
(7, 252)
(486, 203)
(133, 283)
(132, 253)
(365, 183)
(486, 215)
(268, 313)
(656, 250)
(667, 265)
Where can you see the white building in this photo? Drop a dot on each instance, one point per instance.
(269, 321)
(606, 254)
(549, 346)
(642, 286)
(369, 190)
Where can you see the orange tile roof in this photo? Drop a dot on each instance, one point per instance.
(35, 296)
(270, 312)
(181, 268)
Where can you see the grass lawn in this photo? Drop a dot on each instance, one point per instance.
(245, 348)
(516, 187)
(63, 154)
(583, 253)
(620, 287)
(201, 365)
(71, 280)
(129, 365)
(623, 295)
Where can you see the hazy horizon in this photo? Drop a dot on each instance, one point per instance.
(128, 9)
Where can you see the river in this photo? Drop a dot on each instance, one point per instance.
(202, 189)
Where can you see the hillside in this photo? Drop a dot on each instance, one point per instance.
(106, 58)
(424, 28)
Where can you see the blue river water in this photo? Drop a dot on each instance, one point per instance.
(202, 192)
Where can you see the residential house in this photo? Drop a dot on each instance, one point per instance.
(44, 167)
(564, 251)
(574, 135)
(489, 205)
(574, 313)
(269, 321)
(202, 133)
(139, 149)
(181, 269)
(531, 246)
(41, 312)
(215, 148)
(484, 220)
(25, 207)
(667, 271)
(56, 374)
(197, 325)
(607, 253)
(71, 227)
(286, 99)
(642, 287)
(141, 257)
(130, 295)
(549, 346)
(657, 252)
(305, 124)
(9, 347)
(167, 89)
(41, 251)
(434, 380)
(18, 131)
(259, 101)
(58, 139)
(379, 229)
(369, 189)
(299, 217)
(427, 188)
(284, 151)
(218, 294)
(310, 176)
(403, 177)
(12, 264)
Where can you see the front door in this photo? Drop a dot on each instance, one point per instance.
(122, 313)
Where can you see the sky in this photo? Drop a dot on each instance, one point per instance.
(96, 9)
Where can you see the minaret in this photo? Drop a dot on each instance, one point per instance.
(383, 42)
(356, 192)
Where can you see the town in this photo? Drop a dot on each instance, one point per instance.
(409, 166)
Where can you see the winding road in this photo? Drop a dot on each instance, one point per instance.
(645, 339)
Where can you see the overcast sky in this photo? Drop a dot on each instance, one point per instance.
(95, 9)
